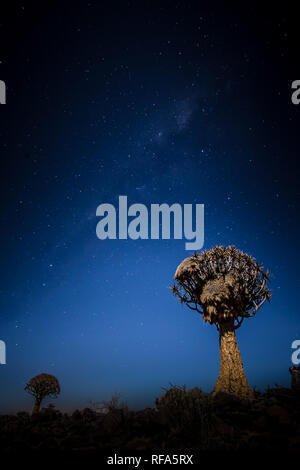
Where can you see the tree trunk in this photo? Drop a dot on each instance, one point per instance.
(36, 406)
(232, 377)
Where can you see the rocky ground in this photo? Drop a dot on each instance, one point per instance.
(182, 420)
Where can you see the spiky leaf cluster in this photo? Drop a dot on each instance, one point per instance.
(222, 283)
(43, 385)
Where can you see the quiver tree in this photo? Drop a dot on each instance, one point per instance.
(41, 386)
(225, 286)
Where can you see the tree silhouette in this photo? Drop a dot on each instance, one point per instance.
(41, 386)
(225, 286)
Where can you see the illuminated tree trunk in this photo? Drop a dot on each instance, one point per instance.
(232, 377)
(36, 406)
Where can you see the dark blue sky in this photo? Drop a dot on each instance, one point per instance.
(162, 102)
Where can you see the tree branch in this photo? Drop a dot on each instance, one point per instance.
(194, 308)
(257, 307)
(239, 322)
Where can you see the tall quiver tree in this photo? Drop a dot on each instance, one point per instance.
(42, 386)
(225, 286)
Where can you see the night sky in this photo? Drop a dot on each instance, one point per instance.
(161, 102)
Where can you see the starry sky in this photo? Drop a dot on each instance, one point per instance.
(162, 102)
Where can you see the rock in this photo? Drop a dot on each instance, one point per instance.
(280, 413)
(295, 373)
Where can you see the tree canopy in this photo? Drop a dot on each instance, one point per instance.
(222, 284)
(43, 385)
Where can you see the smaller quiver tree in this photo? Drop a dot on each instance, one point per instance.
(42, 386)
